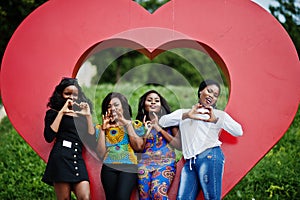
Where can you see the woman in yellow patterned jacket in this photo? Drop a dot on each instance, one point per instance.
(118, 139)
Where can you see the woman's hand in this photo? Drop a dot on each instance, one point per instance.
(200, 112)
(212, 118)
(147, 125)
(120, 120)
(67, 108)
(152, 123)
(84, 108)
(107, 121)
(110, 121)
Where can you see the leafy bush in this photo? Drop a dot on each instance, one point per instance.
(276, 176)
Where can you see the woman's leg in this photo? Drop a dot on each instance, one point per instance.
(62, 191)
(126, 183)
(189, 185)
(109, 179)
(211, 166)
(144, 180)
(82, 190)
(161, 181)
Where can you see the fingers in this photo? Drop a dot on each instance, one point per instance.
(67, 108)
(82, 108)
(148, 124)
(203, 111)
(82, 105)
(205, 114)
(155, 116)
(200, 112)
(69, 103)
(106, 118)
(148, 132)
(107, 115)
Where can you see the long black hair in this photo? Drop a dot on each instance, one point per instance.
(56, 101)
(127, 112)
(165, 108)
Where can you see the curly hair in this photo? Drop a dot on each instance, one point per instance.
(56, 101)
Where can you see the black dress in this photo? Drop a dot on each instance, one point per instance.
(65, 163)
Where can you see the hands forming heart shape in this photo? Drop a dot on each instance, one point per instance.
(257, 56)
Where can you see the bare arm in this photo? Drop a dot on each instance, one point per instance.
(55, 125)
(101, 147)
(91, 129)
(173, 139)
(136, 142)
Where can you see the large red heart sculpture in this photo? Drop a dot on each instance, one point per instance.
(250, 46)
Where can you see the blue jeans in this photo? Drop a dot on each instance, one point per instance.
(204, 172)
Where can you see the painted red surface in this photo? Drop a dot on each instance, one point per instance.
(251, 47)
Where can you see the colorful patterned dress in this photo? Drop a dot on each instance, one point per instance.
(156, 169)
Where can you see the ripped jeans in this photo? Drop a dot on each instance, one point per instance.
(202, 172)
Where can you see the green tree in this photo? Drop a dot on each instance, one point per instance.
(12, 13)
(112, 64)
(289, 10)
(151, 5)
(171, 67)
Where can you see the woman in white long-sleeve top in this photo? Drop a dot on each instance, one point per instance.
(200, 129)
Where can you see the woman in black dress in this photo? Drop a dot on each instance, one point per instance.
(68, 122)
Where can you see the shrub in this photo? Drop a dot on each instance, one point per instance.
(276, 176)
(21, 168)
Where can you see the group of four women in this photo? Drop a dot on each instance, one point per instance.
(137, 151)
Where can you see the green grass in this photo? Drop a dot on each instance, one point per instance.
(21, 168)
(276, 176)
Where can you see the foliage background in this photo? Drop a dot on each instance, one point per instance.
(276, 176)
